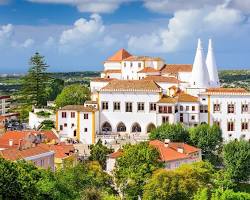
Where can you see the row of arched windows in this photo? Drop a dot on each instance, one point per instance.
(136, 128)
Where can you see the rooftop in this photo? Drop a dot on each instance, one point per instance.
(119, 56)
(148, 70)
(143, 58)
(114, 71)
(102, 79)
(80, 108)
(163, 79)
(175, 68)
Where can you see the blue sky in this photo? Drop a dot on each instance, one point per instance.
(78, 35)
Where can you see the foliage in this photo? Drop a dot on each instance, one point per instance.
(43, 114)
(135, 167)
(35, 82)
(99, 152)
(236, 156)
(47, 125)
(55, 88)
(209, 139)
(182, 183)
(73, 95)
(174, 132)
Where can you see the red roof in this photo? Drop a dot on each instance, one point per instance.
(116, 154)
(170, 153)
(148, 70)
(175, 68)
(163, 79)
(119, 56)
(5, 97)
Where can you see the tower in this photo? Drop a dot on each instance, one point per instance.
(200, 76)
(211, 66)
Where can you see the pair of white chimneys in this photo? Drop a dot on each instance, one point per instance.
(204, 72)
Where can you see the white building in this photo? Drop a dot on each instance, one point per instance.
(4, 104)
(138, 93)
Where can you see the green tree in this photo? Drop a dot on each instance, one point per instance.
(209, 139)
(34, 84)
(47, 125)
(73, 95)
(99, 152)
(174, 132)
(182, 183)
(236, 156)
(55, 88)
(135, 167)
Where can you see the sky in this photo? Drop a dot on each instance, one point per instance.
(78, 35)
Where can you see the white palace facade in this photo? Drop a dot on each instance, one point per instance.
(138, 93)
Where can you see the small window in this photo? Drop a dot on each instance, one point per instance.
(244, 108)
(217, 123)
(74, 133)
(117, 106)
(139, 65)
(165, 119)
(86, 116)
(72, 125)
(192, 117)
(230, 126)
(216, 107)
(203, 109)
(124, 64)
(193, 108)
(181, 108)
(129, 107)
(65, 125)
(244, 126)
(72, 114)
(131, 64)
(61, 127)
(105, 105)
(203, 99)
(152, 106)
(230, 108)
(85, 130)
(187, 108)
(140, 106)
(64, 114)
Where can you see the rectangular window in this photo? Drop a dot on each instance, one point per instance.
(192, 117)
(65, 125)
(152, 106)
(203, 108)
(105, 105)
(131, 64)
(117, 106)
(61, 127)
(217, 123)
(244, 108)
(165, 109)
(181, 117)
(64, 114)
(230, 126)
(244, 126)
(230, 108)
(72, 114)
(216, 107)
(139, 65)
(86, 116)
(140, 106)
(129, 107)
(187, 108)
(181, 108)
(165, 119)
(193, 108)
(176, 109)
(124, 64)
(42, 163)
(85, 130)
(72, 125)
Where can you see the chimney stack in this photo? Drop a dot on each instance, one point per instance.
(10, 142)
(166, 142)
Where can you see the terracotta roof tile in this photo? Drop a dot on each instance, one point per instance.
(132, 85)
(167, 99)
(148, 70)
(112, 71)
(163, 79)
(80, 108)
(102, 79)
(227, 90)
(119, 56)
(116, 154)
(183, 97)
(143, 58)
(175, 68)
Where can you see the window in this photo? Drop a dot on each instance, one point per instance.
(165, 119)
(152, 106)
(64, 114)
(124, 64)
(244, 108)
(65, 125)
(165, 109)
(85, 130)
(74, 133)
(139, 65)
(230, 126)
(181, 117)
(117, 106)
(72, 114)
(42, 162)
(216, 107)
(140, 106)
(176, 109)
(85, 116)
(192, 117)
(203, 108)
(181, 108)
(72, 125)
(217, 123)
(131, 64)
(105, 105)
(230, 108)
(187, 108)
(193, 108)
(61, 127)
(203, 99)
(128, 107)
(244, 126)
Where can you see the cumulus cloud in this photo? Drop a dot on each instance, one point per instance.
(6, 32)
(83, 32)
(187, 24)
(93, 6)
(26, 44)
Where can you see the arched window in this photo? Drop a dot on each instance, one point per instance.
(121, 127)
(106, 127)
(150, 127)
(136, 128)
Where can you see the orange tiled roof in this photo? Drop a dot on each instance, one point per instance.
(114, 71)
(167, 99)
(116, 154)
(142, 58)
(170, 153)
(132, 85)
(148, 70)
(183, 97)
(175, 68)
(16, 154)
(227, 90)
(80, 108)
(102, 79)
(119, 56)
(163, 79)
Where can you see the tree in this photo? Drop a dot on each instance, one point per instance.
(236, 156)
(209, 139)
(99, 152)
(73, 95)
(174, 132)
(35, 82)
(135, 167)
(55, 88)
(182, 183)
(47, 125)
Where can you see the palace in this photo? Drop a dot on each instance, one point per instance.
(138, 93)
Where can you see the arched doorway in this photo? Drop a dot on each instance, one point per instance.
(121, 127)
(150, 127)
(136, 128)
(106, 128)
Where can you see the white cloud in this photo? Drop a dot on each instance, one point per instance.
(26, 44)
(186, 25)
(83, 32)
(6, 32)
(93, 6)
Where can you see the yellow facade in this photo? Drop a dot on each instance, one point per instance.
(209, 108)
